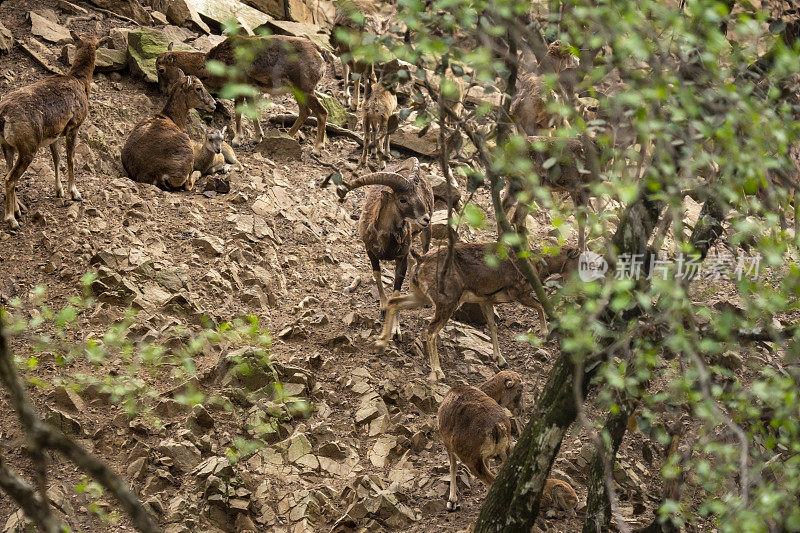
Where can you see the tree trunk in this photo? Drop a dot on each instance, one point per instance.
(512, 503)
(598, 507)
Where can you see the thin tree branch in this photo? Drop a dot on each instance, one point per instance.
(31, 503)
(42, 436)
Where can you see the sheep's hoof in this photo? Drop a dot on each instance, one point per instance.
(501, 362)
(453, 505)
(13, 224)
(381, 345)
(59, 192)
(236, 141)
(76, 196)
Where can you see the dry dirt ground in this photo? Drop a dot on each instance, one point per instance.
(280, 248)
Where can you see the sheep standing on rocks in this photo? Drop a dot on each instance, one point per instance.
(38, 115)
(474, 427)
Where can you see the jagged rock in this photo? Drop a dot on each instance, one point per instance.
(378, 426)
(439, 225)
(107, 60)
(6, 39)
(137, 469)
(41, 54)
(407, 138)
(273, 8)
(298, 447)
(243, 524)
(280, 146)
(729, 360)
(382, 449)
(342, 343)
(221, 12)
(439, 186)
(467, 338)
(49, 30)
(372, 406)
(144, 46)
(377, 504)
(67, 398)
(181, 12)
(200, 419)
(337, 114)
(205, 43)
(63, 421)
(420, 395)
(266, 425)
(332, 449)
(17, 523)
(184, 454)
(210, 245)
(217, 466)
(169, 408)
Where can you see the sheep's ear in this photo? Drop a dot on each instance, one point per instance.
(509, 383)
(169, 48)
(75, 36)
(224, 129)
(181, 77)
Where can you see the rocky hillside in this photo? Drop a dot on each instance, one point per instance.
(266, 241)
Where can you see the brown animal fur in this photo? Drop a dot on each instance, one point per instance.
(529, 106)
(282, 64)
(559, 496)
(344, 21)
(37, 115)
(474, 427)
(566, 175)
(158, 151)
(396, 208)
(470, 279)
(378, 109)
(214, 154)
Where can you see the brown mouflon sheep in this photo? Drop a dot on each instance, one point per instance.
(529, 106)
(570, 174)
(347, 18)
(559, 496)
(378, 110)
(474, 427)
(38, 115)
(396, 209)
(158, 151)
(214, 155)
(282, 64)
(470, 279)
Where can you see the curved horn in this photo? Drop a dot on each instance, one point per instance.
(391, 179)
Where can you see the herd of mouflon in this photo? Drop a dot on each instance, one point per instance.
(395, 222)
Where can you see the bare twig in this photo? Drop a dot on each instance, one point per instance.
(32, 504)
(42, 436)
(289, 118)
(705, 388)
